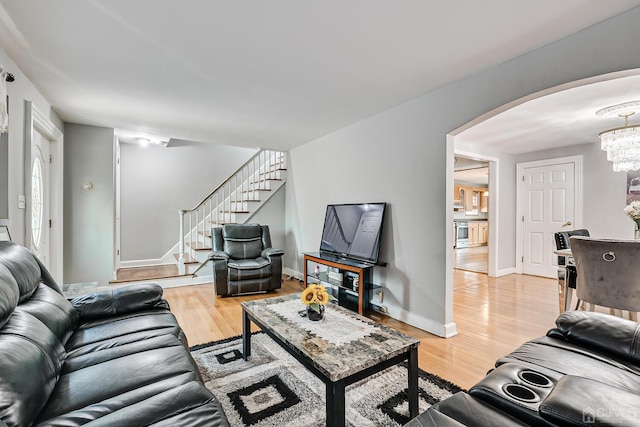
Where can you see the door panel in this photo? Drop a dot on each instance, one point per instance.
(548, 204)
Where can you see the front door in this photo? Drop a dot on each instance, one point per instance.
(548, 205)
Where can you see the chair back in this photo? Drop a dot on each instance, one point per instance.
(242, 241)
(608, 272)
(562, 237)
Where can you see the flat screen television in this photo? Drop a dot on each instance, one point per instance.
(353, 231)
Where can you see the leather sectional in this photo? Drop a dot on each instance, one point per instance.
(584, 372)
(114, 358)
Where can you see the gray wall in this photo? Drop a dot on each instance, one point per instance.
(88, 215)
(400, 156)
(156, 182)
(272, 214)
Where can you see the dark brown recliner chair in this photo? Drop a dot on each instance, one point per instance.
(243, 259)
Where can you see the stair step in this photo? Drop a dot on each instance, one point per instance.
(271, 171)
(257, 189)
(266, 179)
(197, 246)
(187, 259)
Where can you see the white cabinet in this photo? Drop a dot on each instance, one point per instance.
(478, 233)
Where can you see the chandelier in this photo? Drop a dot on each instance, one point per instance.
(622, 144)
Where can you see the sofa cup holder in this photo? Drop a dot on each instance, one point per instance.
(520, 393)
(535, 379)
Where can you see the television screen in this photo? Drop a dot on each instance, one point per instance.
(353, 230)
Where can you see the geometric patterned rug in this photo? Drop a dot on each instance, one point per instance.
(273, 389)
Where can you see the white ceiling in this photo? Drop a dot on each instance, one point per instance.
(559, 119)
(472, 176)
(274, 73)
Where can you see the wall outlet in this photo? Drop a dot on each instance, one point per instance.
(379, 296)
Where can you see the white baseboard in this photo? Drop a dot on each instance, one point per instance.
(506, 271)
(442, 330)
(290, 273)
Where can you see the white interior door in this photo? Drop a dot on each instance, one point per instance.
(40, 198)
(548, 204)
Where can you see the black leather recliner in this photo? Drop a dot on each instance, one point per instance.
(112, 358)
(243, 259)
(584, 372)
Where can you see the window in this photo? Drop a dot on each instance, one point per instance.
(37, 211)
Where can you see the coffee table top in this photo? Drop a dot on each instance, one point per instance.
(341, 344)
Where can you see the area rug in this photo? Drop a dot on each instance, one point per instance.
(273, 389)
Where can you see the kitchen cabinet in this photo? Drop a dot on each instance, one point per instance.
(478, 233)
(484, 201)
(474, 238)
(472, 200)
(483, 233)
(458, 196)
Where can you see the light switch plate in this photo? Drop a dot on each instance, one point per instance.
(21, 202)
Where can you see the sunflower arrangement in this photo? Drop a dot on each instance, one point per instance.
(316, 295)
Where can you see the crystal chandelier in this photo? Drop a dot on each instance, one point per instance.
(622, 144)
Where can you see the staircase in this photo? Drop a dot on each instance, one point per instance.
(235, 201)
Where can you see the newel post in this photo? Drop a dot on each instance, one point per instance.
(181, 267)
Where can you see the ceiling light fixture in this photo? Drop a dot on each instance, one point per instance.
(622, 144)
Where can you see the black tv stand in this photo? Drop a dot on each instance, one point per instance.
(348, 280)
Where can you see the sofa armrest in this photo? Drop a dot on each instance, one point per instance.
(269, 252)
(582, 401)
(218, 256)
(611, 335)
(119, 301)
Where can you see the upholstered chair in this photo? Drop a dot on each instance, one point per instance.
(562, 242)
(608, 273)
(243, 259)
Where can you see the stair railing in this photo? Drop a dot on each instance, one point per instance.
(228, 199)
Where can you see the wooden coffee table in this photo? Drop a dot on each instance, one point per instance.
(341, 349)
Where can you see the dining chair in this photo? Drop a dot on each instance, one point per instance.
(608, 273)
(570, 273)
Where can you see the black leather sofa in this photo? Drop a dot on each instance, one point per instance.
(114, 358)
(584, 372)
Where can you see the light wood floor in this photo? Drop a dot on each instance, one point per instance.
(471, 259)
(493, 316)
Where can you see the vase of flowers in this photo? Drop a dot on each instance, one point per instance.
(633, 212)
(315, 297)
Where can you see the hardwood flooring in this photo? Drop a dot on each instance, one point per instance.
(493, 317)
(471, 259)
